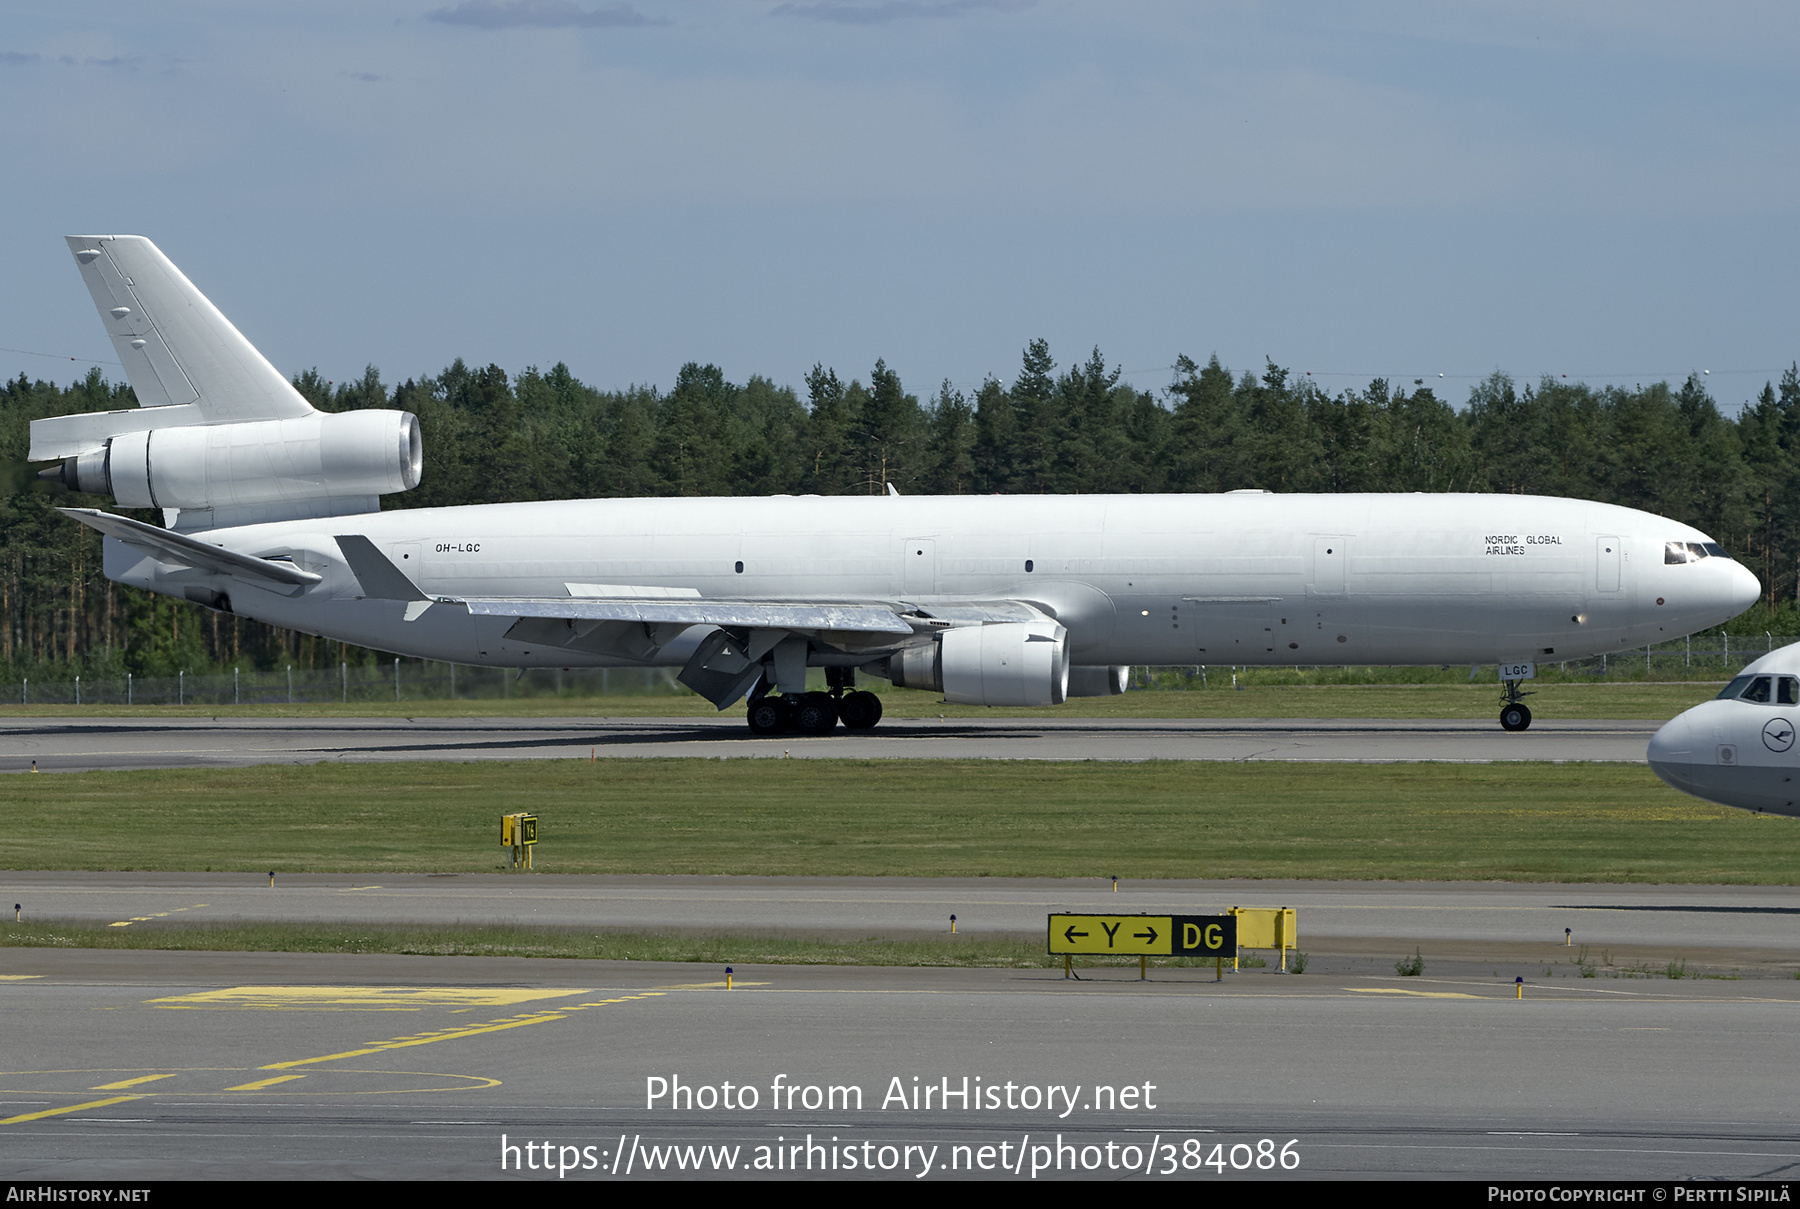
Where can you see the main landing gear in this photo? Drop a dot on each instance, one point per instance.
(814, 713)
(1513, 714)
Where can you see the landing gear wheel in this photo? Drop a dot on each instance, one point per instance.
(768, 715)
(860, 710)
(1515, 717)
(816, 714)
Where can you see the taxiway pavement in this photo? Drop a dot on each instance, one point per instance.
(183, 1066)
(77, 744)
(1750, 926)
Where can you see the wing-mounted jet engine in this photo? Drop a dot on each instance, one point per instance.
(219, 438)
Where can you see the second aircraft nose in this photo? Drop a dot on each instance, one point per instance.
(1672, 742)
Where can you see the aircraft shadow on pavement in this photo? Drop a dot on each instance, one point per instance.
(662, 737)
(1695, 907)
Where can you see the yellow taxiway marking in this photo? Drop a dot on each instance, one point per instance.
(1415, 994)
(122, 1084)
(459, 1031)
(708, 986)
(138, 919)
(262, 1083)
(18, 977)
(57, 1112)
(330, 998)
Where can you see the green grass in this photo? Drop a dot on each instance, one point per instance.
(1514, 822)
(1267, 693)
(988, 951)
(491, 941)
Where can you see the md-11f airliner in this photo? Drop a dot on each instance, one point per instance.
(271, 511)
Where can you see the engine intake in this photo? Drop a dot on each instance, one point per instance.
(1012, 663)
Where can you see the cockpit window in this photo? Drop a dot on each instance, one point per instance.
(1764, 690)
(1691, 552)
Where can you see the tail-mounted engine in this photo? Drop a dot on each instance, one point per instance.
(324, 456)
(219, 437)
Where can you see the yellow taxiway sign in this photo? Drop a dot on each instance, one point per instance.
(1145, 935)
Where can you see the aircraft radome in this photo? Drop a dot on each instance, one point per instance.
(271, 511)
(1739, 749)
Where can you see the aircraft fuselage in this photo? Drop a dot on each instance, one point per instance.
(1232, 579)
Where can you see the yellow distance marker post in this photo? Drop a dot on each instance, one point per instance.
(1141, 936)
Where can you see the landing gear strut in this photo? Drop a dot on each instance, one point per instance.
(815, 713)
(1513, 714)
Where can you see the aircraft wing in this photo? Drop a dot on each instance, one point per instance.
(749, 614)
(728, 659)
(591, 605)
(167, 546)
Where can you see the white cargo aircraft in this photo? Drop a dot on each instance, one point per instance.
(272, 512)
(1739, 749)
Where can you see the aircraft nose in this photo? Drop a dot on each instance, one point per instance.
(1743, 588)
(1674, 742)
(1672, 758)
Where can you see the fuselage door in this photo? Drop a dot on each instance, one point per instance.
(1607, 551)
(918, 567)
(1329, 556)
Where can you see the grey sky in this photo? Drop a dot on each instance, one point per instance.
(1606, 190)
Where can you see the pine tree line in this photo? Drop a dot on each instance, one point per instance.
(545, 435)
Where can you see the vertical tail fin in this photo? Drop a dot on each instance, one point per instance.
(175, 345)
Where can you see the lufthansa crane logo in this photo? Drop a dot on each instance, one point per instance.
(1778, 734)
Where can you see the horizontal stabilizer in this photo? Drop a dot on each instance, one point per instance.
(185, 551)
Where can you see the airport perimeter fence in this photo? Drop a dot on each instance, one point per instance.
(405, 680)
(1700, 656)
(401, 681)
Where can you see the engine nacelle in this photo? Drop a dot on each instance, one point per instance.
(319, 456)
(1013, 663)
(1090, 681)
